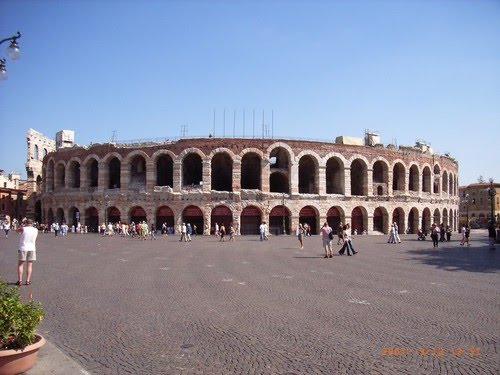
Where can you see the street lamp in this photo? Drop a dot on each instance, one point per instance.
(13, 52)
(283, 203)
(467, 204)
(492, 193)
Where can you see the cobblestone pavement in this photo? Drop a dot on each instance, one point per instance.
(122, 306)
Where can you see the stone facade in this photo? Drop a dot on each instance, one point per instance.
(246, 181)
(475, 203)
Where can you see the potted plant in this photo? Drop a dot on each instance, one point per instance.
(19, 344)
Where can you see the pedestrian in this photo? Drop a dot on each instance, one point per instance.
(231, 233)
(442, 233)
(391, 234)
(195, 228)
(463, 235)
(6, 227)
(263, 231)
(153, 232)
(340, 234)
(435, 235)
(347, 242)
(448, 233)
(27, 251)
(300, 235)
(222, 232)
(216, 230)
(56, 228)
(467, 234)
(64, 229)
(396, 233)
(183, 232)
(189, 231)
(327, 240)
(492, 235)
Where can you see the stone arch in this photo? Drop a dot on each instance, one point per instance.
(308, 174)
(60, 217)
(398, 217)
(436, 179)
(445, 219)
(73, 217)
(426, 220)
(250, 220)
(279, 220)
(359, 220)
(381, 220)
(92, 166)
(91, 219)
(138, 170)
(426, 179)
(60, 175)
(281, 145)
(50, 174)
(164, 164)
(380, 177)
(398, 176)
(335, 217)
(451, 178)
(335, 176)
(113, 214)
(50, 216)
(437, 216)
(310, 215)
(36, 155)
(444, 183)
(194, 215)
(413, 222)
(283, 156)
(413, 183)
(192, 169)
(251, 170)
(137, 214)
(359, 177)
(221, 214)
(74, 169)
(222, 171)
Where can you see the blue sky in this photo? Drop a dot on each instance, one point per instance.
(409, 69)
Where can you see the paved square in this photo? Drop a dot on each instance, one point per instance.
(123, 306)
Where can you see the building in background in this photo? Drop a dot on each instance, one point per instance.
(12, 196)
(243, 181)
(476, 204)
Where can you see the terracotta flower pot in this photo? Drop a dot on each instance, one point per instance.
(14, 362)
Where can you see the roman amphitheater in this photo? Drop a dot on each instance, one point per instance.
(205, 181)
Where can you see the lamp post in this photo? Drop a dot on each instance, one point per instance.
(13, 52)
(467, 205)
(492, 193)
(283, 203)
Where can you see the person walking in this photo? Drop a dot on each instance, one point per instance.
(216, 229)
(27, 251)
(435, 235)
(340, 234)
(396, 233)
(183, 232)
(222, 232)
(492, 235)
(263, 231)
(300, 235)
(231, 233)
(463, 235)
(327, 240)
(391, 234)
(442, 233)
(448, 233)
(189, 231)
(347, 242)
(467, 234)
(6, 227)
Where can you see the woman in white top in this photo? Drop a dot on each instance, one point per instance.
(27, 251)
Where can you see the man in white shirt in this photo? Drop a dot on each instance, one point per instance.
(27, 251)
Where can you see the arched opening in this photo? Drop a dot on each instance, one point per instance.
(60, 218)
(50, 216)
(334, 176)
(445, 217)
(194, 216)
(114, 215)
(413, 221)
(359, 173)
(378, 220)
(398, 217)
(39, 183)
(93, 173)
(35, 153)
(437, 174)
(165, 215)
(251, 171)
(278, 216)
(138, 172)
(307, 215)
(92, 219)
(380, 177)
(164, 171)
(137, 214)
(114, 173)
(413, 178)
(221, 215)
(74, 217)
(74, 174)
(426, 220)
(250, 220)
(437, 217)
(60, 176)
(450, 187)
(279, 183)
(357, 221)
(333, 218)
(445, 182)
(50, 176)
(307, 175)
(398, 177)
(192, 170)
(426, 180)
(222, 172)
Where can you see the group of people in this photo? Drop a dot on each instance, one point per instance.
(327, 236)
(221, 232)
